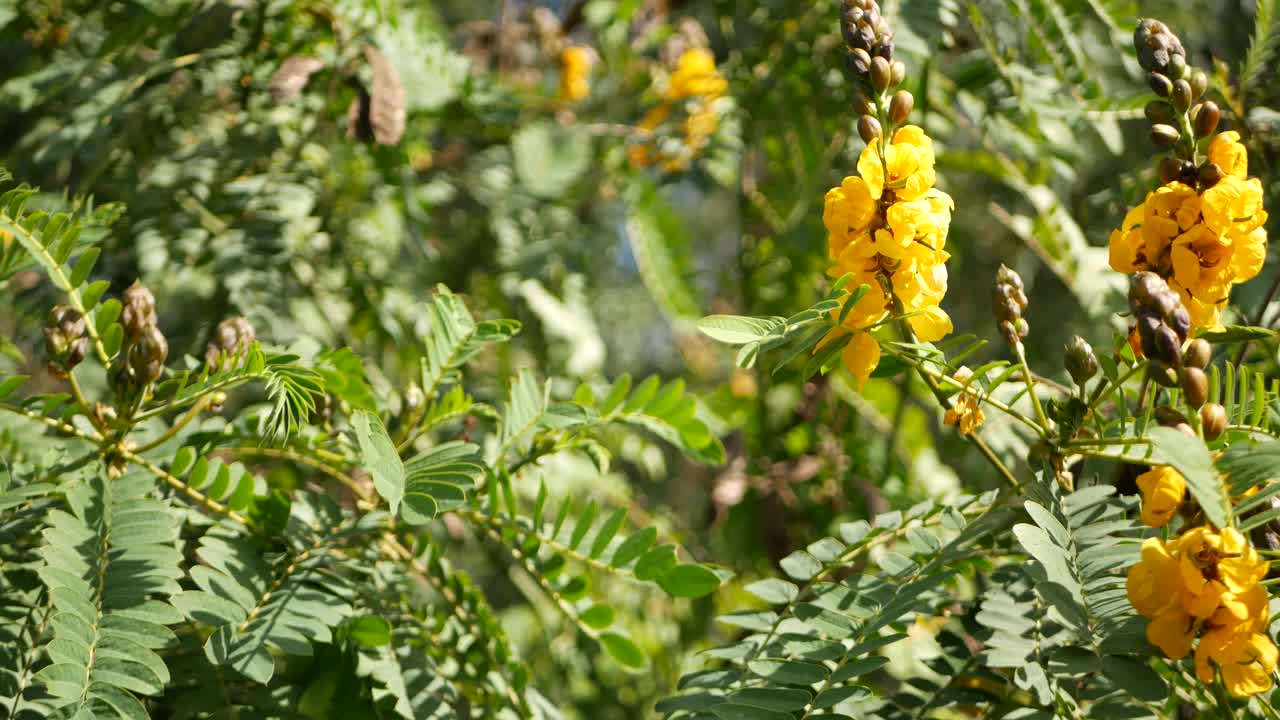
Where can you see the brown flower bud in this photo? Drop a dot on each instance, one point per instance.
(900, 106)
(1209, 175)
(1159, 111)
(1195, 386)
(859, 61)
(1168, 417)
(1181, 95)
(1170, 170)
(1079, 360)
(897, 73)
(1199, 83)
(230, 342)
(1161, 373)
(881, 74)
(1207, 118)
(1160, 84)
(1177, 66)
(1213, 420)
(868, 129)
(139, 311)
(1164, 135)
(1197, 354)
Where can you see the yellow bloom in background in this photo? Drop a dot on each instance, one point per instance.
(1153, 583)
(1245, 659)
(575, 73)
(964, 413)
(1163, 490)
(696, 74)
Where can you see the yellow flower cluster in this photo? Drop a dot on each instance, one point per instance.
(575, 73)
(1206, 584)
(888, 227)
(965, 413)
(1201, 243)
(695, 79)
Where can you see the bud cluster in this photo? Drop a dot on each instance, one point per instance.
(1180, 116)
(870, 59)
(1009, 302)
(64, 339)
(145, 347)
(230, 342)
(1162, 325)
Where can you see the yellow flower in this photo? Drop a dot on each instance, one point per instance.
(1202, 263)
(862, 354)
(1246, 660)
(1172, 631)
(1205, 315)
(575, 71)
(1249, 252)
(1153, 584)
(1163, 489)
(696, 74)
(847, 212)
(699, 128)
(908, 160)
(1234, 206)
(1126, 245)
(1226, 555)
(1228, 153)
(965, 412)
(1164, 218)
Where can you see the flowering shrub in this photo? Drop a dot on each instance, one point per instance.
(316, 391)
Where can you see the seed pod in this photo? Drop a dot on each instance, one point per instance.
(1207, 118)
(881, 75)
(859, 61)
(868, 129)
(1164, 135)
(1213, 420)
(1079, 360)
(897, 72)
(1159, 111)
(900, 106)
(1170, 170)
(1181, 95)
(1160, 84)
(1199, 83)
(1197, 354)
(1168, 417)
(1195, 386)
(1209, 175)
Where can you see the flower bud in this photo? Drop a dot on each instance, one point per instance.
(881, 74)
(1207, 118)
(859, 61)
(1007, 276)
(1197, 354)
(1170, 170)
(1144, 287)
(1181, 95)
(1180, 321)
(1159, 111)
(1177, 66)
(1164, 135)
(1199, 83)
(1160, 84)
(146, 356)
(1195, 386)
(1213, 420)
(413, 397)
(1168, 417)
(139, 311)
(1210, 174)
(897, 72)
(230, 342)
(64, 338)
(900, 106)
(868, 129)
(1167, 346)
(1079, 360)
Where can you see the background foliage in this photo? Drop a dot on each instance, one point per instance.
(207, 160)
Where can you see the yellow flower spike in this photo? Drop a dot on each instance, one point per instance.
(1202, 263)
(1246, 661)
(965, 413)
(1163, 490)
(575, 72)
(1234, 206)
(847, 212)
(1228, 153)
(1248, 255)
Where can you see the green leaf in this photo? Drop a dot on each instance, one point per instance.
(689, 581)
(371, 631)
(738, 330)
(622, 649)
(656, 562)
(1232, 334)
(380, 457)
(597, 616)
(633, 547)
(1190, 457)
(774, 591)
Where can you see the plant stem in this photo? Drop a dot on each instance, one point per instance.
(177, 427)
(1027, 375)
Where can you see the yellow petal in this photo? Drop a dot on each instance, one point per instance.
(861, 356)
(931, 325)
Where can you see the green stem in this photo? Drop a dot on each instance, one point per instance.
(177, 427)
(1027, 375)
